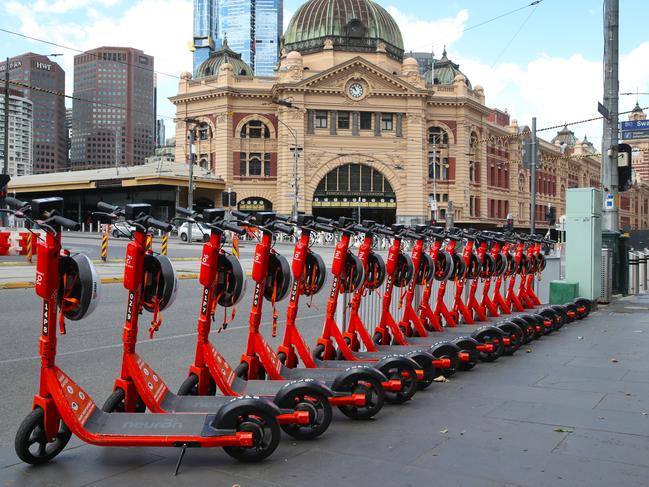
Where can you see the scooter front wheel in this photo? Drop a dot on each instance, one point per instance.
(189, 387)
(319, 409)
(115, 403)
(374, 397)
(32, 445)
(265, 432)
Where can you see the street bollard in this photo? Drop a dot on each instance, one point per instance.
(165, 243)
(104, 244)
(149, 242)
(30, 250)
(235, 245)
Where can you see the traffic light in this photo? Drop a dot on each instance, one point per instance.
(624, 167)
(233, 199)
(551, 215)
(225, 199)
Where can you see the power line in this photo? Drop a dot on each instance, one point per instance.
(535, 3)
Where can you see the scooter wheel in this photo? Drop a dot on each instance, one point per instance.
(498, 348)
(265, 432)
(408, 377)
(377, 338)
(319, 409)
(515, 334)
(318, 351)
(115, 403)
(189, 387)
(449, 351)
(241, 371)
(374, 397)
(32, 446)
(468, 346)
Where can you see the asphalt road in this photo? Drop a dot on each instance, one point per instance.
(91, 350)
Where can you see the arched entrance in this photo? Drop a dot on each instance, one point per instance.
(356, 188)
(255, 204)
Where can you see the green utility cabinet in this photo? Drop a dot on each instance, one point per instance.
(584, 240)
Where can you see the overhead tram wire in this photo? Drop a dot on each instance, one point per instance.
(536, 5)
(533, 4)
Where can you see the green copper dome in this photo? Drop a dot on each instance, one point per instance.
(445, 72)
(351, 25)
(211, 66)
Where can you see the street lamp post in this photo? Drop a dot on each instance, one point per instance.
(190, 189)
(296, 157)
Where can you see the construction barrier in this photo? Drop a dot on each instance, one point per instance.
(165, 243)
(22, 242)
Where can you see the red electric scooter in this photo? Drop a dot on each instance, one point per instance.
(304, 408)
(245, 427)
(358, 392)
(401, 370)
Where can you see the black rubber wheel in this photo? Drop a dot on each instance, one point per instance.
(408, 377)
(377, 339)
(115, 403)
(318, 351)
(189, 387)
(450, 352)
(585, 305)
(526, 327)
(430, 372)
(266, 435)
(468, 346)
(241, 371)
(515, 334)
(499, 347)
(319, 409)
(183, 237)
(374, 398)
(31, 443)
(115, 234)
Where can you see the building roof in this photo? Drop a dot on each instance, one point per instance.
(351, 25)
(224, 54)
(445, 72)
(565, 136)
(160, 173)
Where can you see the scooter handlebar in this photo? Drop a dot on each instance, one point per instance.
(281, 227)
(234, 228)
(107, 207)
(66, 223)
(283, 218)
(383, 231)
(361, 229)
(321, 219)
(165, 227)
(184, 212)
(15, 203)
(321, 227)
(240, 215)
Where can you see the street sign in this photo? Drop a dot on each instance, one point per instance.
(635, 134)
(603, 111)
(635, 125)
(432, 203)
(610, 202)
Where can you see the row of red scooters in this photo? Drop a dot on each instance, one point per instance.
(352, 368)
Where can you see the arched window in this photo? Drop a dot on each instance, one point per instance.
(254, 165)
(474, 164)
(437, 136)
(255, 129)
(204, 163)
(204, 132)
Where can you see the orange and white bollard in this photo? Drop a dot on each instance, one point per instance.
(165, 243)
(104, 244)
(30, 248)
(149, 242)
(235, 245)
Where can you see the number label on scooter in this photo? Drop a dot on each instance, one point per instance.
(46, 318)
(204, 305)
(129, 308)
(257, 296)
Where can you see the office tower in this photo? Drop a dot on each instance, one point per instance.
(160, 133)
(205, 30)
(20, 133)
(42, 81)
(113, 110)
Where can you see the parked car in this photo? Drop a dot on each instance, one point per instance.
(122, 229)
(200, 232)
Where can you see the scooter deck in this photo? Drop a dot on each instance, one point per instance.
(143, 424)
(326, 375)
(209, 404)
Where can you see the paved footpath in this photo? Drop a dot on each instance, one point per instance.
(570, 410)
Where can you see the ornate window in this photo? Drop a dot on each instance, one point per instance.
(437, 166)
(255, 129)
(254, 164)
(437, 136)
(474, 164)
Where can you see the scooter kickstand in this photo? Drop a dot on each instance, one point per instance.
(180, 459)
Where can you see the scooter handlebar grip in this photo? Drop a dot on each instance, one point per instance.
(234, 228)
(280, 227)
(321, 227)
(107, 207)
(384, 231)
(184, 212)
(240, 215)
(361, 229)
(15, 203)
(66, 223)
(322, 219)
(282, 218)
(165, 227)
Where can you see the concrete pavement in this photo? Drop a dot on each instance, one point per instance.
(570, 412)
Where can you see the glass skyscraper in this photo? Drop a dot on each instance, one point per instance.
(205, 30)
(253, 29)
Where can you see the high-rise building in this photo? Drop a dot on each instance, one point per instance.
(160, 139)
(68, 135)
(39, 79)
(253, 28)
(113, 110)
(205, 30)
(20, 133)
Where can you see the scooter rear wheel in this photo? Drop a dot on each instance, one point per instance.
(374, 398)
(408, 377)
(266, 436)
(31, 432)
(319, 409)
